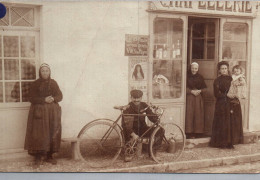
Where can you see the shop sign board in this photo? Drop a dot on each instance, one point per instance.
(239, 8)
(136, 45)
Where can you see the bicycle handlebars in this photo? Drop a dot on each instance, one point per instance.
(158, 110)
(122, 108)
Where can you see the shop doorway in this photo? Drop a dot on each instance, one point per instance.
(203, 43)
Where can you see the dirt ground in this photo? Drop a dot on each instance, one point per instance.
(69, 165)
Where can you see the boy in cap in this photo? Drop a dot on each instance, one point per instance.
(138, 125)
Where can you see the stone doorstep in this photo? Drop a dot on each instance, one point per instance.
(184, 165)
(196, 143)
(249, 137)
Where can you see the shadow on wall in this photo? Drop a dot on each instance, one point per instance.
(73, 119)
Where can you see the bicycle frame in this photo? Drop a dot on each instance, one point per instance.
(115, 123)
(112, 132)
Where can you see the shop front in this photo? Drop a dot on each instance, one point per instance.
(99, 51)
(202, 32)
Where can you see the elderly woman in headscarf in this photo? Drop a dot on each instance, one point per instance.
(194, 125)
(43, 135)
(227, 127)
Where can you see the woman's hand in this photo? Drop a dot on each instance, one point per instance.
(193, 92)
(196, 92)
(49, 99)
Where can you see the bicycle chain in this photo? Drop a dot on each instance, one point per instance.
(130, 148)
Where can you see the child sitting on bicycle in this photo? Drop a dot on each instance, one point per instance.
(136, 126)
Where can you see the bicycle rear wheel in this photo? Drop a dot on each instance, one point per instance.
(100, 143)
(171, 146)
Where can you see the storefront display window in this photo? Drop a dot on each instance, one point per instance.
(167, 58)
(235, 44)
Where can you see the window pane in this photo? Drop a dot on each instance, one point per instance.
(11, 69)
(168, 35)
(5, 20)
(211, 29)
(177, 38)
(21, 16)
(28, 69)
(235, 32)
(160, 31)
(211, 49)
(1, 92)
(1, 77)
(27, 46)
(234, 50)
(198, 30)
(198, 49)
(12, 92)
(11, 46)
(25, 91)
(167, 77)
(235, 41)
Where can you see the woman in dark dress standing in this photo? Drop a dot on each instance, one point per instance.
(227, 127)
(194, 124)
(43, 133)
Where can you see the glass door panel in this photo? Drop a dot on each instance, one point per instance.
(234, 49)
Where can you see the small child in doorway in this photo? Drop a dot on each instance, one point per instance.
(238, 84)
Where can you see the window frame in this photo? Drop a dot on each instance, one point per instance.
(205, 39)
(248, 22)
(152, 18)
(22, 31)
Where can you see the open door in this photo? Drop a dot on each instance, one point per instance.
(203, 43)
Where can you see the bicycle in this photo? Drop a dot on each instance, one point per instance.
(101, 141)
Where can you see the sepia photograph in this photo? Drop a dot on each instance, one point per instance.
(130, 86)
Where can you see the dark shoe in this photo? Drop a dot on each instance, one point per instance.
(51, 160)
(230, 147)
(37, 162)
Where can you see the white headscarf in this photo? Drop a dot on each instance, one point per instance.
(194, 64)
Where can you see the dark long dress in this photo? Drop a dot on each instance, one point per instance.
(43, 133)
(227, 127)
(194, 105)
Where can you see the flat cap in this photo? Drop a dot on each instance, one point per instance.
(136, 93)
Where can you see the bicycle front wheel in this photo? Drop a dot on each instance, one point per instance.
(100, 143)
(170, 146)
